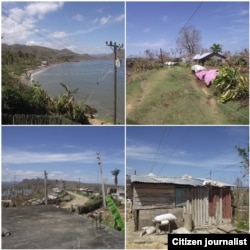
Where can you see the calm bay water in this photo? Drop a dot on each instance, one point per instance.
(95, 81)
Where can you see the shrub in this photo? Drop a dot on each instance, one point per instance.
(93, 205)
(231, 85)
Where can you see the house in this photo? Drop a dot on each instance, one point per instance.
(201, 58)
(207, 202)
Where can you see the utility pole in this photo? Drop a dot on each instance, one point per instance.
(14, 186)
(161, 56)
(210, 175)
(103, 189)
(114, 47)
(45, 187)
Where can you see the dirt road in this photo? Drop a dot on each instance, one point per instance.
(77, 201)
(175, 96)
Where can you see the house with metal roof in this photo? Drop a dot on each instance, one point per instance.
(207, 202)
(202, 58)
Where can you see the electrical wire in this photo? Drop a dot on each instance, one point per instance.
(175, 149)
(195, 11)
(187, 22)
(103, 71)
(161, 145)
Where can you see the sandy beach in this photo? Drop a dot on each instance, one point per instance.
(27, 77)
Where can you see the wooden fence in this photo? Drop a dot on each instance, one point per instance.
(24, 119)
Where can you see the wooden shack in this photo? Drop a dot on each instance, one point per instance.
(202, 58)
(207, 202)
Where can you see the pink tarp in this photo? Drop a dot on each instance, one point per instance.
(207, 75)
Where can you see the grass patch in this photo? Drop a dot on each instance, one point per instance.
(173, 95)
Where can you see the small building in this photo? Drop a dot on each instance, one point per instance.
(207, 202)
(56, 190)
(111, 191)
(201, 58)
(44, 63)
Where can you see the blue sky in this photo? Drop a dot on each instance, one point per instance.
(155, 25)
(191, 150)
(66, 153)
(83, 27)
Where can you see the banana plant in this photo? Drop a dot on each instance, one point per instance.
(118, 221)
(231, 85)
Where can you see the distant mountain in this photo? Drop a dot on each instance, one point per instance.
(120, 55)
(54, 55)
(7, 184)
(45, 53)
(39, 182)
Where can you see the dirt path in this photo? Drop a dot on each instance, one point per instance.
(145, 87)
(78, 200)
(171, 96)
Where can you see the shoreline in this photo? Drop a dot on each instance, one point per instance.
(27, 79)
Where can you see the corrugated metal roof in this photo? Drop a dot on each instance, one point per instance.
(184, 180)
(200, 56)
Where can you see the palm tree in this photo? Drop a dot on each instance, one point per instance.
(216, 48)
(115, 173)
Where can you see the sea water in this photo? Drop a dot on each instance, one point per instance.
(94, 80)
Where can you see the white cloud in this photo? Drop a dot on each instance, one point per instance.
(144, 153)
(156, 44)
(29, 157)
(120, 18)
(78, 17)
(146, 30)
(105, 20)
(59, 34)
(20, 24)
(108, 19)
(42, 8)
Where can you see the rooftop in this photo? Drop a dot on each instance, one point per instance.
(183, 180)
(201, 56)
(47, 227)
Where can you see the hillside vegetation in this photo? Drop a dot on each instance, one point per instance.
(31, 104)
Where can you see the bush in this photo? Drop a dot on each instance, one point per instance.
(231, 85)
(89, 207)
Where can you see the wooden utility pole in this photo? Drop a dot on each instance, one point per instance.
(114, 47)
(102, 180)
(45, 187)
(161, 56)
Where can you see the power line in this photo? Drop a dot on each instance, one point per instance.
(195, 11)
(177, 146)
(160, 148)
(189, 19)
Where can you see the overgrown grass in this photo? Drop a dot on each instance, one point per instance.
(174, 96)
(242, 225)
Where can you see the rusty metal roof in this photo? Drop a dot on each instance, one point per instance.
(183, 180)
